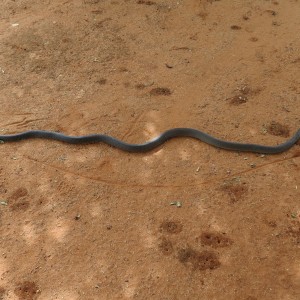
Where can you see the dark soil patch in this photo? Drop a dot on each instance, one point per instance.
(145, 2)
(243, 94)
(160, 91)
(165, 246)
(271, 12)
(19, 193)
(203, 15)
(238, 99)
(140, 86)
(91, 1)
(235, 27)
(27, 290)
(171, 227)
(294, 231)
(22, 205)
(2, 293)
(101, 81)
(204, 260)
(215, 240)
(235, 189)
(278, 129)
(17, 201)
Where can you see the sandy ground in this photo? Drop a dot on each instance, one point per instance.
(93, 222)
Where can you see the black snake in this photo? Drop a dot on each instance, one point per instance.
(150, 145)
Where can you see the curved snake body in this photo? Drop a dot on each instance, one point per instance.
(159, 140)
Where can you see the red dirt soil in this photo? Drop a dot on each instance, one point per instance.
(93, 222)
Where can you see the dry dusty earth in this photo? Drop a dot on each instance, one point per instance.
(93, 222)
